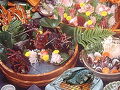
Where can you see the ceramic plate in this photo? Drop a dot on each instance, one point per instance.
(112, 86)
(96, 85)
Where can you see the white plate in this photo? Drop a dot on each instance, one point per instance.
(8, 87)
(112, 86)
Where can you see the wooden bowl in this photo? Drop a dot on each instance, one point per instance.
(26, 80)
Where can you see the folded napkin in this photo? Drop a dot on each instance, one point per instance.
(34, 87)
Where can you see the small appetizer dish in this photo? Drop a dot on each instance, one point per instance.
(113, 86)
(78, 78)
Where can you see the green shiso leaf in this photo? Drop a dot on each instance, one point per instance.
(6, 39)
(94, 2)
(5, 42)
(69, 30)
(65, 57)
(50, 23)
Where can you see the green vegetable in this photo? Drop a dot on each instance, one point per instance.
(69, 30)
(65, 57)
(94, 2)
(6, 39)
(91, 39)
(50, 23)
(15, 28)
(5, 42)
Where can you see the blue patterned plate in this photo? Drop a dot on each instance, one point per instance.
(97, 83)
(112, 86)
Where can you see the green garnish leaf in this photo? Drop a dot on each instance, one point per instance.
(91, 39)
(6, 39)
(50, 23)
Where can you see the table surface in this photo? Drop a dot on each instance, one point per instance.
(4, 81)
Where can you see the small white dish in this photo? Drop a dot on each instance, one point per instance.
(112, 86)
(8, 87)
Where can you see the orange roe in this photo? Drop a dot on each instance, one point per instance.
(44, 52)
(106, 70)
(97, 58)
(102, 0)
(114, 71)
(119, 70)
(106, 54)
(77, 6)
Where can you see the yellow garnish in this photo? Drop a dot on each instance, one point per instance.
(68, 18)
(27, 54)
(5, 27)
(45, 57)
(82, 4)
(88, 13)
(65, 15)
(56, 51)
(74, 88)
(41, 32)
(89, 22)
(103, 13)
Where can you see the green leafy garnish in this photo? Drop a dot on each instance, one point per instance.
(6, 39)
(94, 2)
(17, 31)
(14, 26)
(92, 38)
(50, 23)
(65, 57)
(5, 42)
(69, 30)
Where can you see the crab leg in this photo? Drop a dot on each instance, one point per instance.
(5, 15)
